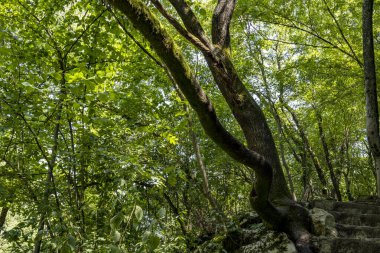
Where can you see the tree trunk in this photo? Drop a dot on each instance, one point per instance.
(287, 168)
(307, 145)
(3, 216)
(333, 177)
(272, 108)
(271, 197)
(372, 111)
(38, 238)
(305, 176)
(177, 216)
(196, 148)
(49, 181)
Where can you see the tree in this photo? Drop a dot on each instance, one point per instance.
(270, 197)
(101, 151)
(372, 110)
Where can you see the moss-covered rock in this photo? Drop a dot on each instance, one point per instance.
(250, 235)
(270, 242)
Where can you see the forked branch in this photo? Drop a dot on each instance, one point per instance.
(190, 21)
(180, 29)
(221, 22)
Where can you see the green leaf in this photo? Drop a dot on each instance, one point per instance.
(76, 105)
(180, 113)
(75, 77)
(66, 248)
(71, 242)
(57, 76)
(152, 242)
(116, 221)
(172, 180)
(28, 87)
(103, 96)
(169, 169)
(116, 236)
(202, 12)
(100, 73)
(161, 212)
(115, 249)
(94, 131)
(139, 213)
(172, 139)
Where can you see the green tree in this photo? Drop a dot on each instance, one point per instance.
(270, 188)
(101, 151)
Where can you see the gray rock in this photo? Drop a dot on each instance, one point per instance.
(270, 242)
(323, 222)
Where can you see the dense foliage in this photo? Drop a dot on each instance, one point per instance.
(99, 151)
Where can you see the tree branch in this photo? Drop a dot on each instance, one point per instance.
(82, 33)
(180, 29)
(296, 24)
(221, 20)
(130, 35)
(342, 34)
(247, 112)
(149, 26)
(190, 21)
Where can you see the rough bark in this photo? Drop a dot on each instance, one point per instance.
(221, 22)
(270, 186)
(372, 111)
(244, 108)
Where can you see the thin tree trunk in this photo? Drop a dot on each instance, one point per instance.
(3, 216)
(205, 184)
(306, 143)
(348, 186)
(274, 112)
(38, 238)
(348, 168)
(322, 137)
(205, 188)
(372, 111)
(282, 149)
(50, 184)
(305, 176)
(287, 170)
(177, 216)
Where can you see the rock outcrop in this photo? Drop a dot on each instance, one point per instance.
(357, 226)
(250, 236)
(339, 227)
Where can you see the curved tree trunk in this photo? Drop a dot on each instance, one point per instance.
(271, 197)
(272, 108)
